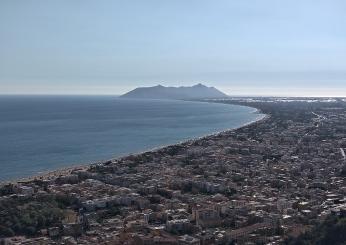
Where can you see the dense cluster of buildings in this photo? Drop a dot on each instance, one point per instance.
(255, 185)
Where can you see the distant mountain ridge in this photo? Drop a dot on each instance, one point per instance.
(198, 91)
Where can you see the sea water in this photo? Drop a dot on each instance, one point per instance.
(42, 133)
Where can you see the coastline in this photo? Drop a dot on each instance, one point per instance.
(53, 174)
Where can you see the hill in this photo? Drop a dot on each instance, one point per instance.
(198, 91)
(332, 231)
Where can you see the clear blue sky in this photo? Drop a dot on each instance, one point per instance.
(292, 47)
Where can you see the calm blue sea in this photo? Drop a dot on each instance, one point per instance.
(41, 133)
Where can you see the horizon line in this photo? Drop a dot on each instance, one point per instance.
(118, 95)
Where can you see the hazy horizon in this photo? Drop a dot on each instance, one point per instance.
(249, 48)
(238, 92)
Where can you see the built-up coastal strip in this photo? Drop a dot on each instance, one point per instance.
(267, 182)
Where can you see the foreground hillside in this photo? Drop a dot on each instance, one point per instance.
(330, 231)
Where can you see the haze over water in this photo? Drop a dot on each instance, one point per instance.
(50, 132)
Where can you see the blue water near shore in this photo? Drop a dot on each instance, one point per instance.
(42, 133)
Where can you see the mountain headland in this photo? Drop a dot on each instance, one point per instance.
(198, 91)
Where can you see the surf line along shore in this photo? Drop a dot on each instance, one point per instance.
(54, 174)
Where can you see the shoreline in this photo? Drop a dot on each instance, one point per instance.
(52, 174)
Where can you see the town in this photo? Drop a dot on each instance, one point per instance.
(263, 183)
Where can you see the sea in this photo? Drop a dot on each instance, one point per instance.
(44, 133)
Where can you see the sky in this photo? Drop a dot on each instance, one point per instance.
(243, 47)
